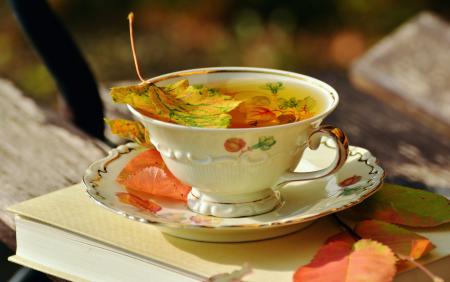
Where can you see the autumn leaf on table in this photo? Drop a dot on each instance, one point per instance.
(400, 240)
(189, 106)
(131, 130)
(343, 237)
(147, 173)
(341, 260)
(405, 206)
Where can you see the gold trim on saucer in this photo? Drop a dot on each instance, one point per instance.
(96, 171)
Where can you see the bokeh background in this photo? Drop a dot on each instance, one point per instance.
(305, 36)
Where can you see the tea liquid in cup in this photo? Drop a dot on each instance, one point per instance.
(234, 171)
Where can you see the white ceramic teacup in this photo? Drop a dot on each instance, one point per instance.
(227, 180)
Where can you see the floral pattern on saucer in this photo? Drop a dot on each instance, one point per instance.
(304, 201)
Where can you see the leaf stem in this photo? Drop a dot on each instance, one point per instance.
(346, 228)
(433, 277)
(133, 50)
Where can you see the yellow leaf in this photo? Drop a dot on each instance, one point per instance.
(179, 103)
(131, 130)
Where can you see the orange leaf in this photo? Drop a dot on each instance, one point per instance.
(340, 260)
(400, 240)
(147, 173)
(134, 200)
(259, 115)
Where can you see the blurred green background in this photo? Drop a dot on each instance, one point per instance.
(303, 36)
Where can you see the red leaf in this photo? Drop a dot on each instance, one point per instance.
(400, 240)
(340, 261)
(134, 200)
(147, 173)
(342, 236)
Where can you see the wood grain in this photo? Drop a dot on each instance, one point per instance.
(37, 156)
(410, 70)
(411, 152)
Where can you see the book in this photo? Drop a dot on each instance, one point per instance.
(66, 234)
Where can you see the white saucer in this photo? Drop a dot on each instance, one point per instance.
(302, 202)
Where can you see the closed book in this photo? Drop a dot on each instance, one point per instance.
(66, 234)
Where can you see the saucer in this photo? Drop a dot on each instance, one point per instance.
(302, 202)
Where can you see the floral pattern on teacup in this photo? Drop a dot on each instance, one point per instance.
(234, 145)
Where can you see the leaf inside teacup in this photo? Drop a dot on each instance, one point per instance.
(179, 103)
(248, 103)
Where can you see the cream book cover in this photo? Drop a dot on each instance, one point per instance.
(272, 260)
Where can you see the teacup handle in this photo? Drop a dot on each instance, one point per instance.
(314, 139)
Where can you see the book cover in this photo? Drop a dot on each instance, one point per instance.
(272, 260)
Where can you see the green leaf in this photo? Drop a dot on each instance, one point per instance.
(178, 103)
(405, 206)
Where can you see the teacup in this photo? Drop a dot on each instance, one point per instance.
(226, 181)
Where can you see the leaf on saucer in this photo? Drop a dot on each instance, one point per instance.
(341, 260)
(400, 240)
(131, 130)
(138, 202)
(148, 173)
(191, 105)
(405, 206)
